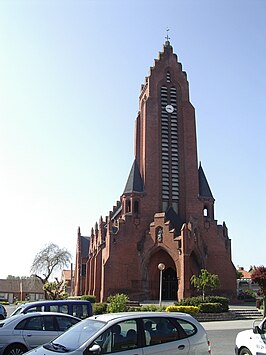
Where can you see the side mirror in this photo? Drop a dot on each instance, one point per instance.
(257, 330)
(95, 349)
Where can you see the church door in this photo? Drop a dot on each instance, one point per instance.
(169, 287)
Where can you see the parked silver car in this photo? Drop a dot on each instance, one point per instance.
(24, 332)
(138, 333)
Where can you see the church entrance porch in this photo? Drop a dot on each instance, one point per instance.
(169, 276)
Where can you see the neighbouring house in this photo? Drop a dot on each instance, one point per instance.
(245, 282)
(67, 277)
(12, 290)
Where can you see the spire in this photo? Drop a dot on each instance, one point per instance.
(134, 181)
(204, 188)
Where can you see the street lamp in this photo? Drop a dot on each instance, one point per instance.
(161, 267)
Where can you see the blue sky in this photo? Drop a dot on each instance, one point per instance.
(70, 76)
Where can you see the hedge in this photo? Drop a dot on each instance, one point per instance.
(184, 309)
(211, 308)
(196, 301)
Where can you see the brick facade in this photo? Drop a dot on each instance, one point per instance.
(166, 212)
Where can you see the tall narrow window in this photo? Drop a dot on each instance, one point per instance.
(136, 207)
(128, 206)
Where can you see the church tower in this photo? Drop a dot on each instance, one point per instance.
(166, 212)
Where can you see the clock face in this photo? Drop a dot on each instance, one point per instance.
(169, 108)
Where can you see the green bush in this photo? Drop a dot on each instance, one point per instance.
(196, 301)
(152, 308)
(90, 298)
(192, 301)
(99, 308)
(211, 308)
(219, 299)
(117, 303)
(134, 309)
(184, 309)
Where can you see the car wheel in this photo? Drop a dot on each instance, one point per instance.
(1, 316)
(15, 349)
(244, 351)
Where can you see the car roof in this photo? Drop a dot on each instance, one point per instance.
(53, 302)
(31, 314)
(128, 315)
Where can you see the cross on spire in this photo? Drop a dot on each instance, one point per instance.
(167, 36)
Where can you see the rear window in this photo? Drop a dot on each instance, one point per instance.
(188, 327)
(81, 311)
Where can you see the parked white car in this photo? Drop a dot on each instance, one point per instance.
(24, 332)
(252, 341)
(138, 333)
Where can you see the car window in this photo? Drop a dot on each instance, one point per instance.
(64, 308)
(35, 309)
(160, 330)
(53, 308)
(32, 323)
(63, 323)
(120, 337)
(188, 327)
(49, 323)
(80, 311)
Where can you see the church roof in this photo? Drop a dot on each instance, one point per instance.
(174, 219)
(134, 181)
(204, 188)
(84, 246)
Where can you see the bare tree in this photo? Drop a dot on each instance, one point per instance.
(48, 260)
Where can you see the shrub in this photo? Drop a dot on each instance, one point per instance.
(90, 298)
(184, 309)
(211, 308)
(192, 301)
(219, 299)
(99, 308)
(196, 301)
(117, 303)
(152, 308)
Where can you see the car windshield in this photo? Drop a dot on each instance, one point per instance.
(17, 311)
(76, 336)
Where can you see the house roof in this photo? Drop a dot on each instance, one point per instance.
(66, 275)
(246, 274)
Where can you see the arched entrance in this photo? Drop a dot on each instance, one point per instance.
(169, 287)
(169, 276)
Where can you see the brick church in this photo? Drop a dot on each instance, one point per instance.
(166, 211)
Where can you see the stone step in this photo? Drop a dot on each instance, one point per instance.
(231, 315)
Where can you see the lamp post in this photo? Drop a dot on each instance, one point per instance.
(161, 267)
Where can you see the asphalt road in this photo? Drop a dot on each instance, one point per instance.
(221, 334)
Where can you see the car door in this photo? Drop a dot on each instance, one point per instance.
(164, 336)
(38, 330)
